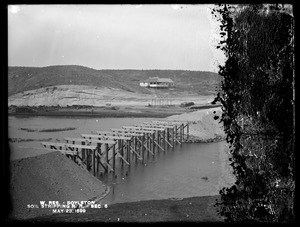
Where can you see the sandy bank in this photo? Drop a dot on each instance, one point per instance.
(49, 177)
(203, 127)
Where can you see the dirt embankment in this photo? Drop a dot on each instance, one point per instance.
(203, 126)
(70, 95)
(79, 100)
(49, 177)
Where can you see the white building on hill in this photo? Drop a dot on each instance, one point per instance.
(156, 82)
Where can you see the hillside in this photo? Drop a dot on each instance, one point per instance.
(22, 79)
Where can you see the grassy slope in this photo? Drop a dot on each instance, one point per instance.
(28, 78)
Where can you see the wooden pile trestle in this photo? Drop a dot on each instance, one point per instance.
(108, 148)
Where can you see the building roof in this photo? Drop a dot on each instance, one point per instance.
(157, 79)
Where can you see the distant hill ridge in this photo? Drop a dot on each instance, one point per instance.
(22, 79)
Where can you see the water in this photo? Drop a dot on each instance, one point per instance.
(82, 125)
(188, 170)
(185, 171)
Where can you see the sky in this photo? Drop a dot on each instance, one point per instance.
(178, 37)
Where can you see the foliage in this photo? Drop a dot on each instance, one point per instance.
(257, 97)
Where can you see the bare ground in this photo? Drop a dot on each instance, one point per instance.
(49, 177)
(194, 209)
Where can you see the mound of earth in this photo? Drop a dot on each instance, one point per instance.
(49, 177)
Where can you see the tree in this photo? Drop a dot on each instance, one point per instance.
(257, 97)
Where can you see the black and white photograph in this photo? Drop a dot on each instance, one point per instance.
(150, 113)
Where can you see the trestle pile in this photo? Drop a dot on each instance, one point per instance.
(103, 150)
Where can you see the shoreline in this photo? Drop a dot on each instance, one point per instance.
(104, 112)
(93, 115)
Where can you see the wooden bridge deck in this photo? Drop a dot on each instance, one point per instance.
(106, 149)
